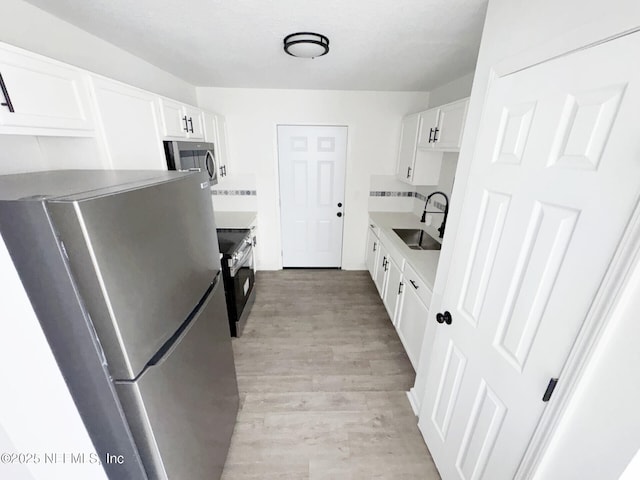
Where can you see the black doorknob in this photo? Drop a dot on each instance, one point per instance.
(339, 214)
(339, 204)
(444, 318)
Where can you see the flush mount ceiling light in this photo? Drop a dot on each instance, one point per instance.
(306, 45)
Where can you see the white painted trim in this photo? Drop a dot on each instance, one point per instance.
(413, 401)
(609, 28)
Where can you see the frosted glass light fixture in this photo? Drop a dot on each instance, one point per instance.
(306, 45)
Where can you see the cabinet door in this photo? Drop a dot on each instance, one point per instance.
(450, 125)
(372, 253)
(411, 323)
(129, 126)
(407, 152)
(194, 120)
(428, 124)
(381, 272)
(174, 119)
(393, 289)
(47, 97)
(222, 144)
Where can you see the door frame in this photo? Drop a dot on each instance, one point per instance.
(616, 278)
(278, 192)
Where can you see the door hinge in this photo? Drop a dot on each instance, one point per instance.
(550, 388)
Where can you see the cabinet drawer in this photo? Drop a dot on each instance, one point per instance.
(413, 282)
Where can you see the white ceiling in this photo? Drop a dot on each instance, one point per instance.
(403, 45)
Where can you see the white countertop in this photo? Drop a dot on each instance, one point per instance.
(235, 219)
(424, 262)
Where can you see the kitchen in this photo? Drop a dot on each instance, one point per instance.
(252, 115)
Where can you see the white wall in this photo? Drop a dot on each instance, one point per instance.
(28, 27)
(373, 119)
(449, 92)
(512, 28)
(37, 413)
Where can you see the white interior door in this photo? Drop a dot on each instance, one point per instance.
(554, 180)
(312, 168)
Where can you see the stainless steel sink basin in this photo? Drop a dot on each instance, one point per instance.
(417, 239)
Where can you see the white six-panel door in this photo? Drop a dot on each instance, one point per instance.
(554, 180)
(312, 163)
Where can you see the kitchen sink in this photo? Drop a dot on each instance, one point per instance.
(417, 239)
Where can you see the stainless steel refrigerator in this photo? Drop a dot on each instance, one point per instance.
(123, 271)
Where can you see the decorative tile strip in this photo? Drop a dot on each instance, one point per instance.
(234, 192)
(380, 193)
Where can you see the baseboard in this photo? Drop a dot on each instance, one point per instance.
(413, 401)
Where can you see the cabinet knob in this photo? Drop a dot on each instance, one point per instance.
(339, 214)
(339, 204)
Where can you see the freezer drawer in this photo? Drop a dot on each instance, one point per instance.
(182, 410)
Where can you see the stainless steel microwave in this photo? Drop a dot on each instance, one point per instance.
(192, 156)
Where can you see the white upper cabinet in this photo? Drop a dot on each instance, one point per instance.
(215, 131)
(174, 120)
(428, 123)
(448, 132)
(180, 121)
(441, 127)
(40, 96)
(407, 153)
(416, 166)
(194, 120)
(424, 137)
(128, 126)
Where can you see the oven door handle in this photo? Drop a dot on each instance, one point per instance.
(246, 252)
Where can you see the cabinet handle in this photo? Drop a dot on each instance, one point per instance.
(186, 125)
(400, 285)
(430, 135)
(408, 172)
(374, 246)
(413, 284)
(191, 123)
(444, 318)
(7, 99)
(435, 133)
(384, 262)
(225, 170)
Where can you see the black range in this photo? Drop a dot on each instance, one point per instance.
(236, 247)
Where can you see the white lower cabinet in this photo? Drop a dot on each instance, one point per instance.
(381, 269)
(393, 289)
(411, 322)
(405, 295)
(372, 253)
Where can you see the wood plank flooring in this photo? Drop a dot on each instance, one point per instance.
(322, 378)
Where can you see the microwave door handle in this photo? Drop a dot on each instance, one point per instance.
(209, 164)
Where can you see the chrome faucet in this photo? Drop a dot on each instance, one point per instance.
(446, 211)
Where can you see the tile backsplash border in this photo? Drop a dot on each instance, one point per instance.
(234, 192)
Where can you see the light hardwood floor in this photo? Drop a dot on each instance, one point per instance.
(322, 378)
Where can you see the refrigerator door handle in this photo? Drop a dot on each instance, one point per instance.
(165, 350)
